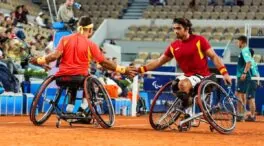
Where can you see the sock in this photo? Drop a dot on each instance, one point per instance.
(69, 108)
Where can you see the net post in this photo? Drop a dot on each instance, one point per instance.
(134, 96)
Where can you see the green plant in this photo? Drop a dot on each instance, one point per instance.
(35, 73)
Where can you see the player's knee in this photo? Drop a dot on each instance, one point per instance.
(184, 86)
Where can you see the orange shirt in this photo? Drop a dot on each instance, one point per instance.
(77, 52)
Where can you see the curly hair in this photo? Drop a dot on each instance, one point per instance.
(186, 23)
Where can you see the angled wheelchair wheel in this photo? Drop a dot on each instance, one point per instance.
(217, 107)
(44, 101)
(99, 102)
(165, 109)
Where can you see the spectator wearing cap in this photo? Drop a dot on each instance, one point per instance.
(40, 20)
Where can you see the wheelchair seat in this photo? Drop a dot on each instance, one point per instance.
(70, 81)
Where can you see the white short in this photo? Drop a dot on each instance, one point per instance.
(195, 79)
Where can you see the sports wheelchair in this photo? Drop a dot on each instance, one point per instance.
(99, 112)
(210, 103)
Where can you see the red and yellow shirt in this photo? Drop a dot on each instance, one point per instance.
(190, 55)
(77, 52)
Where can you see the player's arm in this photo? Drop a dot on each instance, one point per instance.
(216, 60)
(154, 64)
(97, 55)
(53, 56)
(164, 58)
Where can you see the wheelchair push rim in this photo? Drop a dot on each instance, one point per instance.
(163, 117)
(99, 106)
(211, 107)
(38, 103)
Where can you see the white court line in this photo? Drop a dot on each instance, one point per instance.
(132, 125)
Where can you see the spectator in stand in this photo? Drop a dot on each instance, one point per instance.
(7, 23)
(13, 18)
(10, 33)
(158, 2)
(40, 20)
(20, 32)
(2, 18)
(212, 2)
(24, 13)
(21, 15)
(229, 2)
(50, 45)
(241, 2)
(65, 12)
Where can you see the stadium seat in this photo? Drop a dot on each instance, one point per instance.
(133, 28)
(139, 61)
(197, 29)
(206, 15)
(223, 15)
(261, 8)
(232, 15)
(257, 58)
(260, 15)
(218, 8)
(154, 55)
(236, 9)
(256, 2)
(251, 15)
(197, 15)
(188, 15)
(255, 31)
(162, 15)
(209, 9)
(215, 15)
(154, 28)
(201, 8)
(226, 8)
(247, 2)
(146, 14)
(143, 55)
(175, 8)
(220, 29)
(171, 15)
(253, 9)
(245, 8)
(241, 15)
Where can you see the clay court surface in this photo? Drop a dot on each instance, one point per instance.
(127, 131)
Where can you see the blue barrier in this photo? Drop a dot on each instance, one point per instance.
(120, 103)
(28, 99)
(144, 95)
(11, 104)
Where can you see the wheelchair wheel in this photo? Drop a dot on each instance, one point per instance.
(237, 104)
(165, 109)
(213, 101)
(99, 102)
(43, 104)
